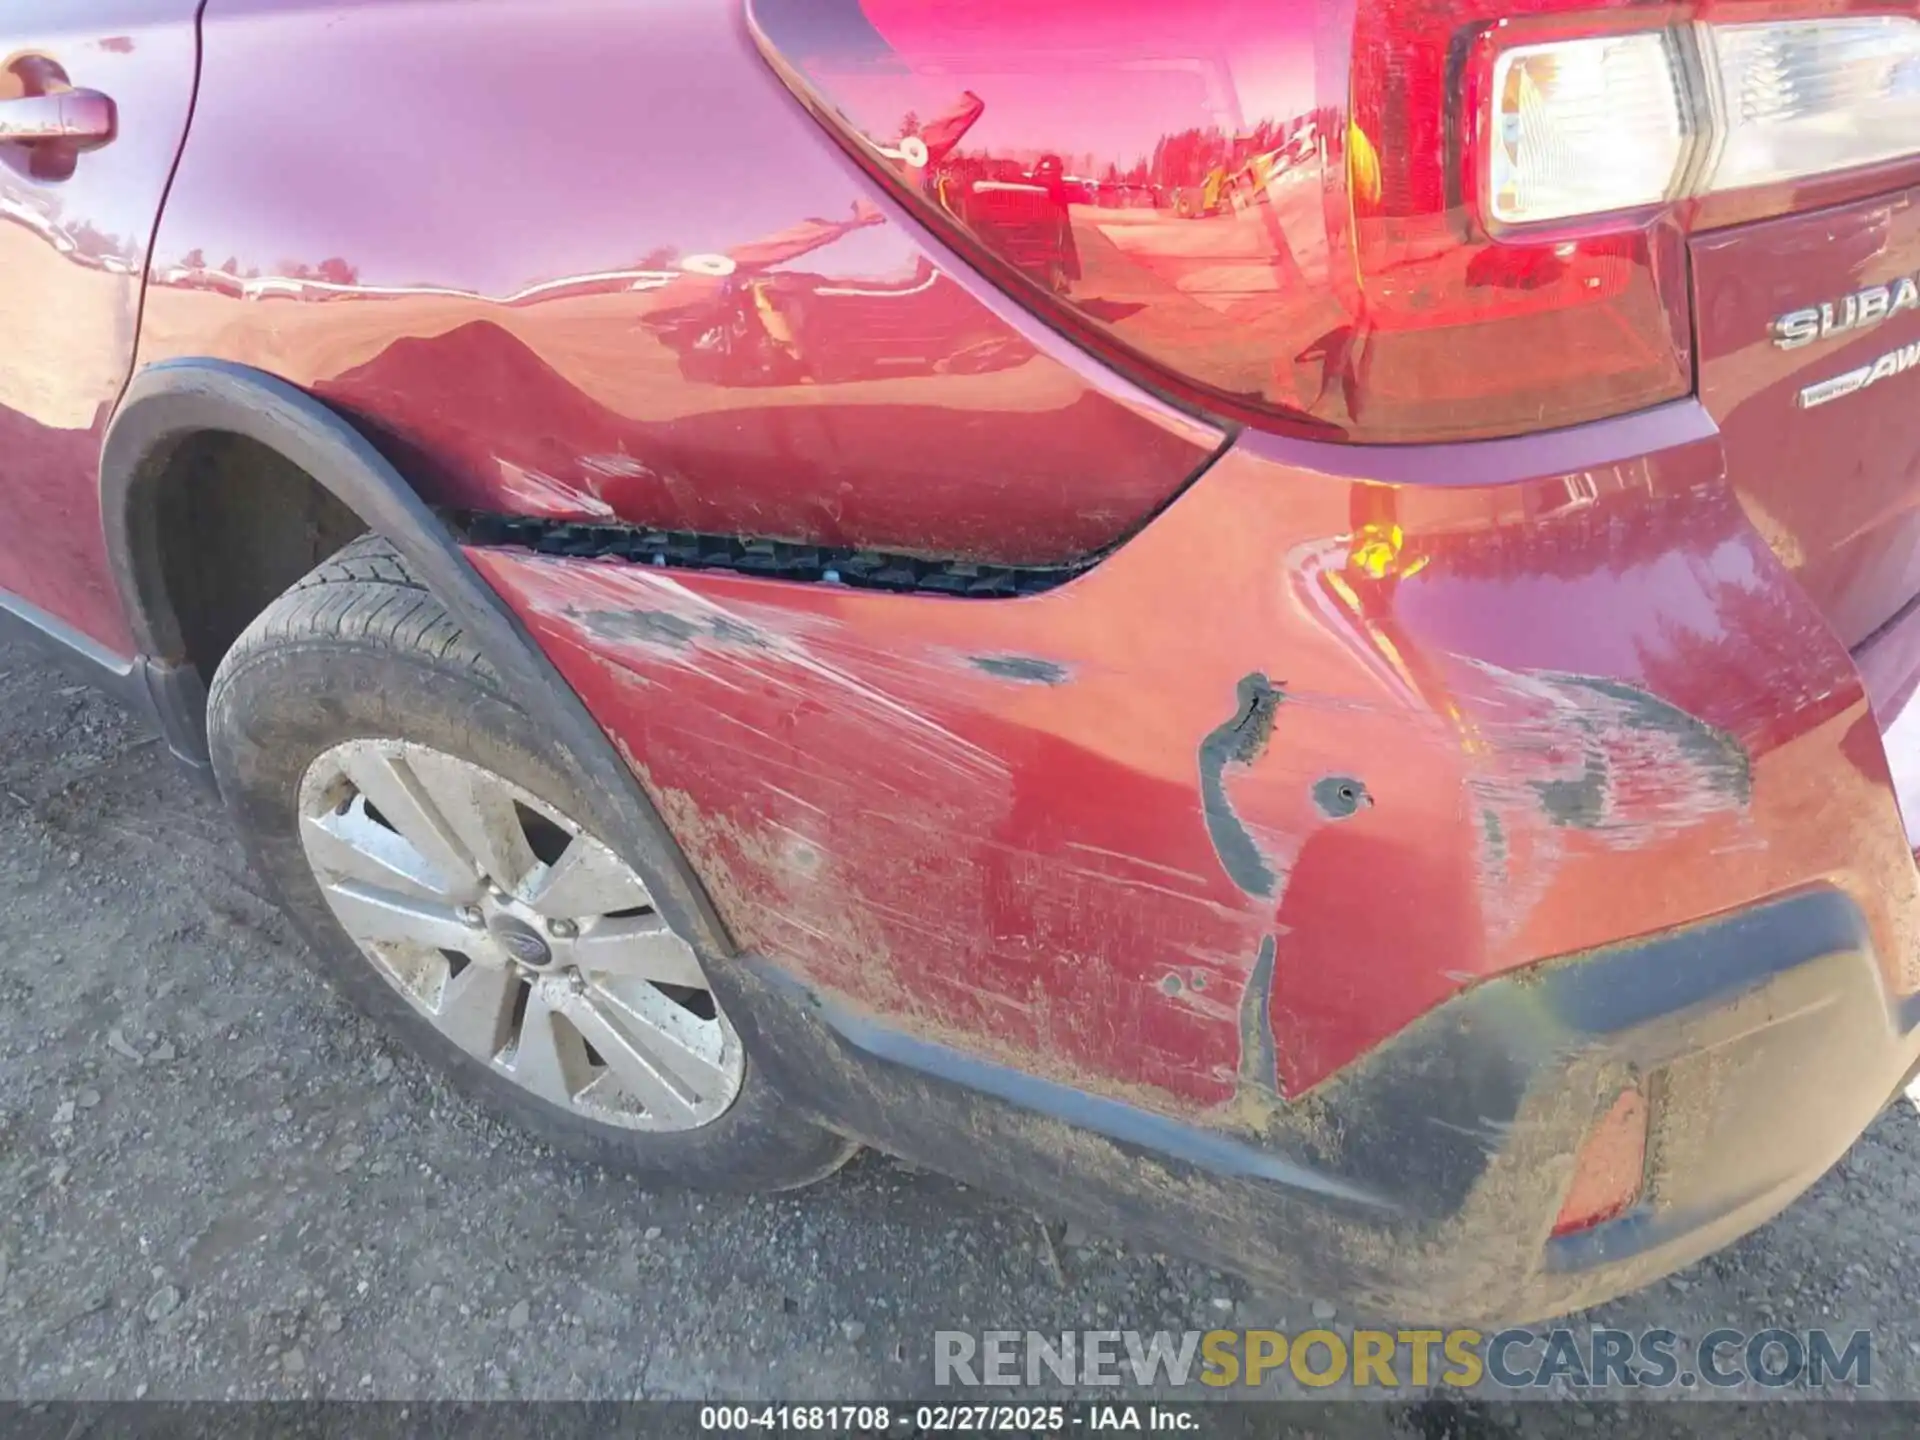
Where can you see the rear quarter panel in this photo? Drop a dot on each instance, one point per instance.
(1322, 747)
(590, 260)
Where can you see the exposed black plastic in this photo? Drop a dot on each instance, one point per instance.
(770, 559)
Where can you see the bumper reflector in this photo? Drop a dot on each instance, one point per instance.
(1611, 1167)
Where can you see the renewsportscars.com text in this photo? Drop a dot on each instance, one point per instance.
(1515, 1359)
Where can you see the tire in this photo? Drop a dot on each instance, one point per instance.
(356, 655)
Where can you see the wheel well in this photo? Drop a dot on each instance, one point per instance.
(234, 523)
(297, 440)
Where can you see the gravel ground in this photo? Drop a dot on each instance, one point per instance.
(222, 1183)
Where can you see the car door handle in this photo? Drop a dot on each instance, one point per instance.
(83, 119)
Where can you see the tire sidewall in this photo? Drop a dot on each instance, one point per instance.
(275, 708)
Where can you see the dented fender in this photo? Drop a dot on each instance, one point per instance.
(1313, 753)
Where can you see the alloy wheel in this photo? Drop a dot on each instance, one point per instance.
(525, 940)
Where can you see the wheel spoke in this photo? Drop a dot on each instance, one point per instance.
(638, 1068)
(412, 849)
(376, 916)
(354, 846)
(638, 947)
(547, 1053)
(403, 803)
(476, 1009)
(478, 812)
(674, 1042)
(587, 879)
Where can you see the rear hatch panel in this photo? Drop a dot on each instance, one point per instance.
(1822, 433)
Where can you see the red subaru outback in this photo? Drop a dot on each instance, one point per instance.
(1283, 626)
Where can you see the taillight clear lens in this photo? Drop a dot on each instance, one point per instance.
(1808, 97)
(1589, 126)
(1583, 127)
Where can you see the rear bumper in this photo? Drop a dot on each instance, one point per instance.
(1424, 1180)
(1297, 886)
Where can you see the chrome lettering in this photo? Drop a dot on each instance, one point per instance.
(1894, 362)
(1802, 327)
(1838, 388)
(1863, 309)
(1851, 305)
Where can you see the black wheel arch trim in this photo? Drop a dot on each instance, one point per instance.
(170, 402)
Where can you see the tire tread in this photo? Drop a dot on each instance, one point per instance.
(364, 594)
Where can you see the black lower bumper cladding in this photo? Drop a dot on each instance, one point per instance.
(1423, 1181)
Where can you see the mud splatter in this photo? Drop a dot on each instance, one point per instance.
(667, 628)
(1493, 837)
(1259, 1057)
(1608, 758)
(1242, 740)
(1340, 797)
(630, 608)
(1708, 761)
(1570, 759)
(1025, 668)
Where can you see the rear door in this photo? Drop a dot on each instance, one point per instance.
(94, 98)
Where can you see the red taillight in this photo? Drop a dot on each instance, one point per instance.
(1390, 221)
(1463, 334)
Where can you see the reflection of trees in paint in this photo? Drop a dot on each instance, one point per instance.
(1765, 667)
(333, 271)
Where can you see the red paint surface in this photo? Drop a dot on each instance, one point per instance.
(1024, 868)
(71, 254)
(1836, 490)
(504, 273)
